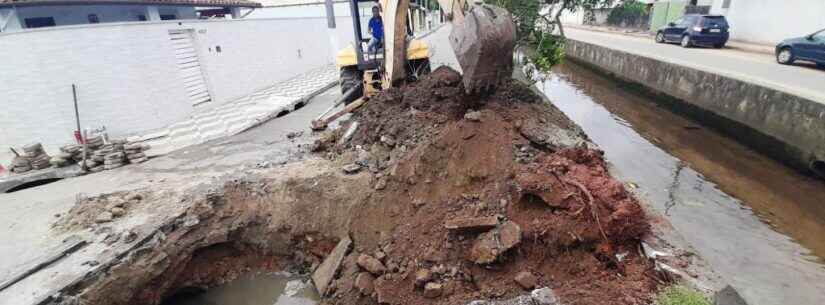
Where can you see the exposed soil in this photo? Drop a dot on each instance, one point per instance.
(427, 154)
(579, 227)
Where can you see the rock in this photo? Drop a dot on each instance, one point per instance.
(544, 296)
(490, 245)
(129, 237)
(134, 197)
(381, 184)
(104, 217)
(418, 203)
(474, 116)
(117, 212)
(326, 271)
(472, 224)
(433, 290)
(388, 140)
(371, 264)
(364, 283)
(294, 134)
(439, 270)
(380, 255)
(509, 235)
(526, 280)
(351, 168)
(422, 277)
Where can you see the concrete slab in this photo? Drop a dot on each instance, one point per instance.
(325, 273)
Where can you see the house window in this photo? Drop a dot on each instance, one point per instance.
(93, 18)
(168, 17)
(141, 17)
(39, 22)
(726, 4)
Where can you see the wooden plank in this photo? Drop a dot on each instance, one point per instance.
(69, 246)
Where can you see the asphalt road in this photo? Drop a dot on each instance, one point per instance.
(803, 79)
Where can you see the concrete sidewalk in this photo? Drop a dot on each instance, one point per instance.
(732, 44)
(757, 68)
(241, 114)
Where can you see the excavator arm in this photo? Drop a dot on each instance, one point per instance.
(483, 38)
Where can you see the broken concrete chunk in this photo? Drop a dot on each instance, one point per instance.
(544, 296)
(475, 224)
(351, 168)
(371, 264)
(104, 217)
(381, 184)
(474, 116)
(364, 283)
(326, 271)
(388, 140)
(526, 280)
(433, 290)
(117, 212)
(490, 245)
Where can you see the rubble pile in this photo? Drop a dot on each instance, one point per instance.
(99, 210)
(102, 155)
(484, 207)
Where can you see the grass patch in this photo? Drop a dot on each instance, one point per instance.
(681, 295)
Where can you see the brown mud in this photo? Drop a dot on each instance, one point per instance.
(428, 155)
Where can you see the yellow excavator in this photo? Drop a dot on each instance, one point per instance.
(483, 37)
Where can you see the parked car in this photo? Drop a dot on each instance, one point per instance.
(696, 30)
(810, 48)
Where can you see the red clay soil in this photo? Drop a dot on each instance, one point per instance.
(580, 228)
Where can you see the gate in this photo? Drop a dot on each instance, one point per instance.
(664, 12)
(189, 67)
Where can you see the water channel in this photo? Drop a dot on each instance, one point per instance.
(760, 224)
(255, 289)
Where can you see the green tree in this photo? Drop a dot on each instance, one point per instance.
(538, 21)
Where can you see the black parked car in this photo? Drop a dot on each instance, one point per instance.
(810, 48)
(692, 30)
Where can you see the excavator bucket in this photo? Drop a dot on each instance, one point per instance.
(483, 45)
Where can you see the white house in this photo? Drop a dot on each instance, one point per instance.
(17, 15)
(771, 21)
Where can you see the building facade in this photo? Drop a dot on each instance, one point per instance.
(18, 15)
(771, 21)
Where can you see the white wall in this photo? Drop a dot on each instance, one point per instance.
(127, 77)
(9, 21)
(78, 14)
(771, 21)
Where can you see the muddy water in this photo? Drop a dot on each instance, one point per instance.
(758, 223)
(261, 289)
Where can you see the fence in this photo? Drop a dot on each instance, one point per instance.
(665, 12)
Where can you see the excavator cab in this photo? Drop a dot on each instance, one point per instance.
(363, 73)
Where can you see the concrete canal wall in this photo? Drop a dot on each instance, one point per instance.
(786, 127)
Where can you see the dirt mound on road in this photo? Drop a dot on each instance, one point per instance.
(486, 198)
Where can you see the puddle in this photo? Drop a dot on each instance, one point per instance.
(258, 289)
(715, 192)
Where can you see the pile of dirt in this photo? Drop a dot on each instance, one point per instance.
(486, 198)
(89, 212)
